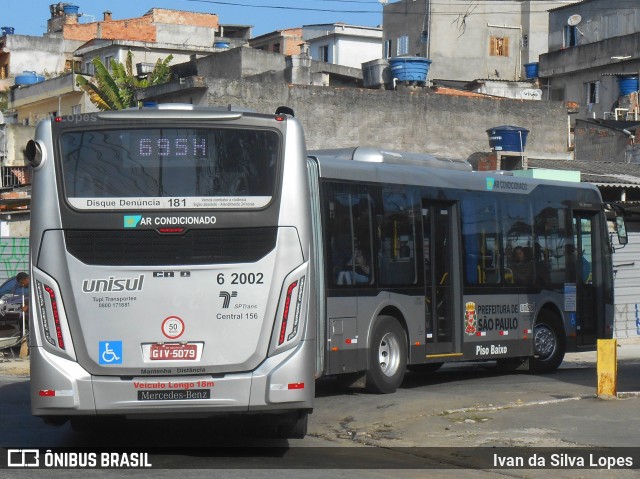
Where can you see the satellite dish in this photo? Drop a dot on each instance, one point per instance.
(573, 20)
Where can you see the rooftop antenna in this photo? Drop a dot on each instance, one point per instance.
(574, 19)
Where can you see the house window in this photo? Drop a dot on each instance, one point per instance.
(499, 46)
(4, 72)
(387, 49)
(324, 53)
(593, 92)
(557, 94)
(570, 36)
(88, 68)
(107, 61)
(403, 45)
(275, 48)
(524, 41)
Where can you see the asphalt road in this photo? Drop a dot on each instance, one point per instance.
(444, 423)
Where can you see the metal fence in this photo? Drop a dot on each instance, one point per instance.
(14, 257)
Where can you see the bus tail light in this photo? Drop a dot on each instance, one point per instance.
(46, 294)
(285, 314)
(290, 319)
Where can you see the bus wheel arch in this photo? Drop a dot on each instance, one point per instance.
(388, 352)
(549, 342)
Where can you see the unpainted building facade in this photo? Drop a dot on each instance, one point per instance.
(593, 45)
(466, 41)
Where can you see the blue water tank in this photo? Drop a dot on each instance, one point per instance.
(28, 78)
(627, 84)
(410, 68)
(70, 9)
(221, 44)
(531, 70)
(7, 31)
(508, 138)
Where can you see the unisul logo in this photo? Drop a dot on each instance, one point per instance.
(227, 297)
(112, 285)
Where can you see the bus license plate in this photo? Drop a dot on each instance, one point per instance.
(173, 352)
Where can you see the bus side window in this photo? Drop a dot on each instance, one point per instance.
(348, 230)
(517, 229)
(550, 222)
(397, 238)
(480, 240)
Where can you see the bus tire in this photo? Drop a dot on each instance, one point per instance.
(548, 344)
(424, 368)
(387, 356)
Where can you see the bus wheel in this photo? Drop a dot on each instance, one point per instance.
(548, 345)
(387, 356)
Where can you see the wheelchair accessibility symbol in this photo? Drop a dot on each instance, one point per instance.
(110, 352)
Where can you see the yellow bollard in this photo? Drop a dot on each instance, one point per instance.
(607, 368)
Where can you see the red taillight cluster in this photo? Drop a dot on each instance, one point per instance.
(287, 309)
(56, 315)
(285, 315)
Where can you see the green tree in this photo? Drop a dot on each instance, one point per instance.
(115, 89)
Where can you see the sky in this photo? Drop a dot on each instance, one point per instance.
(29, 17)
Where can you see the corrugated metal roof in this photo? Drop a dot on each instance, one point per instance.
(569, 5)
(600, 173)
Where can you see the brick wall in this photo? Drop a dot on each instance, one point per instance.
(138, 29)
(292, 40)
(179, 17)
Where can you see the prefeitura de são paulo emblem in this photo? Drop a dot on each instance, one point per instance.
(470, 319)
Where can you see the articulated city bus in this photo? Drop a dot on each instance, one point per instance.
(425, 265)
(196, 262)
(170, 261)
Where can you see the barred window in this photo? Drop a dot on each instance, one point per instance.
(403, 45)
(499, 46)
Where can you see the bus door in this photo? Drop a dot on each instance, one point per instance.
(583, 271)
(440, 277)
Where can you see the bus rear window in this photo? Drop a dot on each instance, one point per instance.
(169, 167)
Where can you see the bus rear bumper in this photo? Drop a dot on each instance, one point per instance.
(284, 382)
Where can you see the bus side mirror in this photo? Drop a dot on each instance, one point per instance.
(621, 229)
(285, 110)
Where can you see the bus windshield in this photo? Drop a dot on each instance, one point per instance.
(194, 167)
